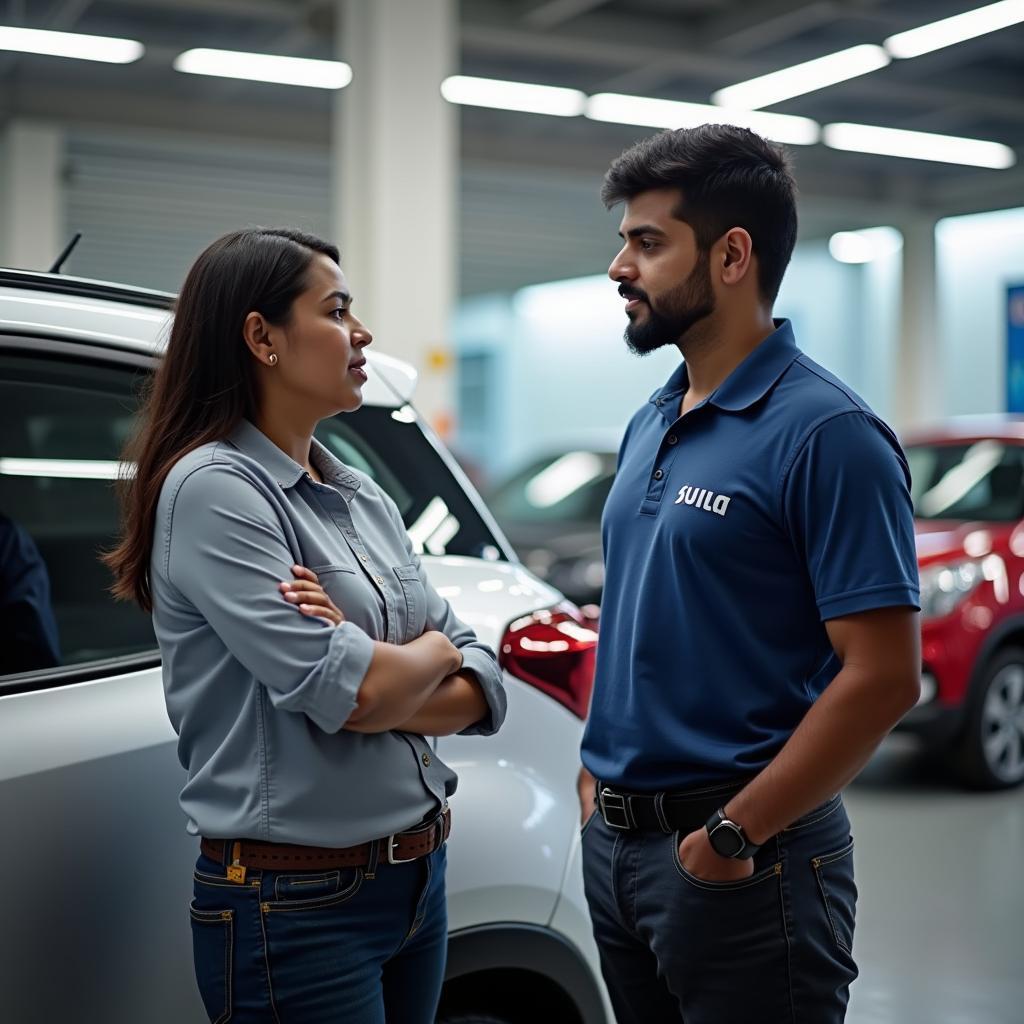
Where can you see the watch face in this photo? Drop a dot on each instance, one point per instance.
(726, 839)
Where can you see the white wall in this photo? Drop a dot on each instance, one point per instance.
(562, 373)
(978, 256)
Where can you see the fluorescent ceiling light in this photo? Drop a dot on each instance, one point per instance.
(70, 44)
(864, 246)
(803, 78)
(957, 29)
(655, 113)
(947, 149)
(522, 96)
(265, 67)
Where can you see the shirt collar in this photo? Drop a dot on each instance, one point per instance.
(749, 382)
(251, 441)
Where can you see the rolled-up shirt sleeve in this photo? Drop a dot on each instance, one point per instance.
(477, 657)
(223, 550)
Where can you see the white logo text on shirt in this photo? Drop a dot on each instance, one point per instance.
(701, 497)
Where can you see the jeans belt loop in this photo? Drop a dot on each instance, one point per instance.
(659, 810)
(371, 868)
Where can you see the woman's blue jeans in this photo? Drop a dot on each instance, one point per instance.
(312, 947)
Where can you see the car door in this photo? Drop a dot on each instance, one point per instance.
(94, 858)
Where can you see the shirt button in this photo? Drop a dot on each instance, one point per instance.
(364, 558)
(672, 438)
(379, 580)
(426, 760)
(658, 474)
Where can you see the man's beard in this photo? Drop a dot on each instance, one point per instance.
(677, 313)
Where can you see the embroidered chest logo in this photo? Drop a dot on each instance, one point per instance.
(701, 497)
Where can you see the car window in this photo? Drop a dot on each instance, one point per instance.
(569, 486)
(62, 427)
(390, 447)
(63, 424)
(982, 481)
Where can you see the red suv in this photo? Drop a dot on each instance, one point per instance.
(968, 490)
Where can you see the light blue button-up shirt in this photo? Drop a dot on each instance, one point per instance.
(257, 692)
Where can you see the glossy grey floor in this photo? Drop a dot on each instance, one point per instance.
(940, 928)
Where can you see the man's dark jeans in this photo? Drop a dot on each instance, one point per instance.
(309, 947)
(770, 949)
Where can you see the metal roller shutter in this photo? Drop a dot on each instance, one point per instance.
(147, 206)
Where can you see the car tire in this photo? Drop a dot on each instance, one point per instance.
(990, 752)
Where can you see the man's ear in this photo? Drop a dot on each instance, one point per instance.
(256, 332)
(737, 256)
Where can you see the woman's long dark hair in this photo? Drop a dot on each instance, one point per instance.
(206, 382)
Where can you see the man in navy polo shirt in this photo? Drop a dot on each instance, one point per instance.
(759, 628)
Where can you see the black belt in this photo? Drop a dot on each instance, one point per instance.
(683, 811)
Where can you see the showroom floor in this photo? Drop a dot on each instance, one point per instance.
(940, 927)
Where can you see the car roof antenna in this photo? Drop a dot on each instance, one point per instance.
(55, 269)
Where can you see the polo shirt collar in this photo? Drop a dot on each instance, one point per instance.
(251, 441)
(748, 383)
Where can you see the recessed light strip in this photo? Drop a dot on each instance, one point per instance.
(957, 29)
(520, 96)
(947, 149)
(799, 79)
(265, 67)
(656, 113)
(106, 49)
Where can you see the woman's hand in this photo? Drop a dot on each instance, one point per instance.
(309, 597)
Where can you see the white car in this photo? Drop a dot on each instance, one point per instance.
(95, 862)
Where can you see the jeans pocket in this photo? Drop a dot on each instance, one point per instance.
(314, 890)
(590, 821)
(834, 874)
(761, 874)
(213, 948)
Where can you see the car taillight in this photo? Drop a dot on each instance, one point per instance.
(553, 650)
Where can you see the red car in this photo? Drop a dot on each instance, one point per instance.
(968, 490)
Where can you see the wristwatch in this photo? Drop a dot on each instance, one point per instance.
(728, 839)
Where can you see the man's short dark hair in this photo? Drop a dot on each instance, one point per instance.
(728, 177)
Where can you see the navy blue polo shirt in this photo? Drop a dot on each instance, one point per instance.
(731, 535)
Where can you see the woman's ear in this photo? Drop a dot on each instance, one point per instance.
(256, 332)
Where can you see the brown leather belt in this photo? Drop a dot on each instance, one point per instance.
(395, 849)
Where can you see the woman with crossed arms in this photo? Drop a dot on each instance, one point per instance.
(305, 653)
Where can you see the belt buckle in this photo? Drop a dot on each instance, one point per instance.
(616, 803)
(392, 840)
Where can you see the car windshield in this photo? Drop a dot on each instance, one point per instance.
(979, 481)
(390, 446)
(568, 486)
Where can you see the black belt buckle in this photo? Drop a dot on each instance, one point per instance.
(615, 804)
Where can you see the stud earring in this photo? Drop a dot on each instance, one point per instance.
(272, 359)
